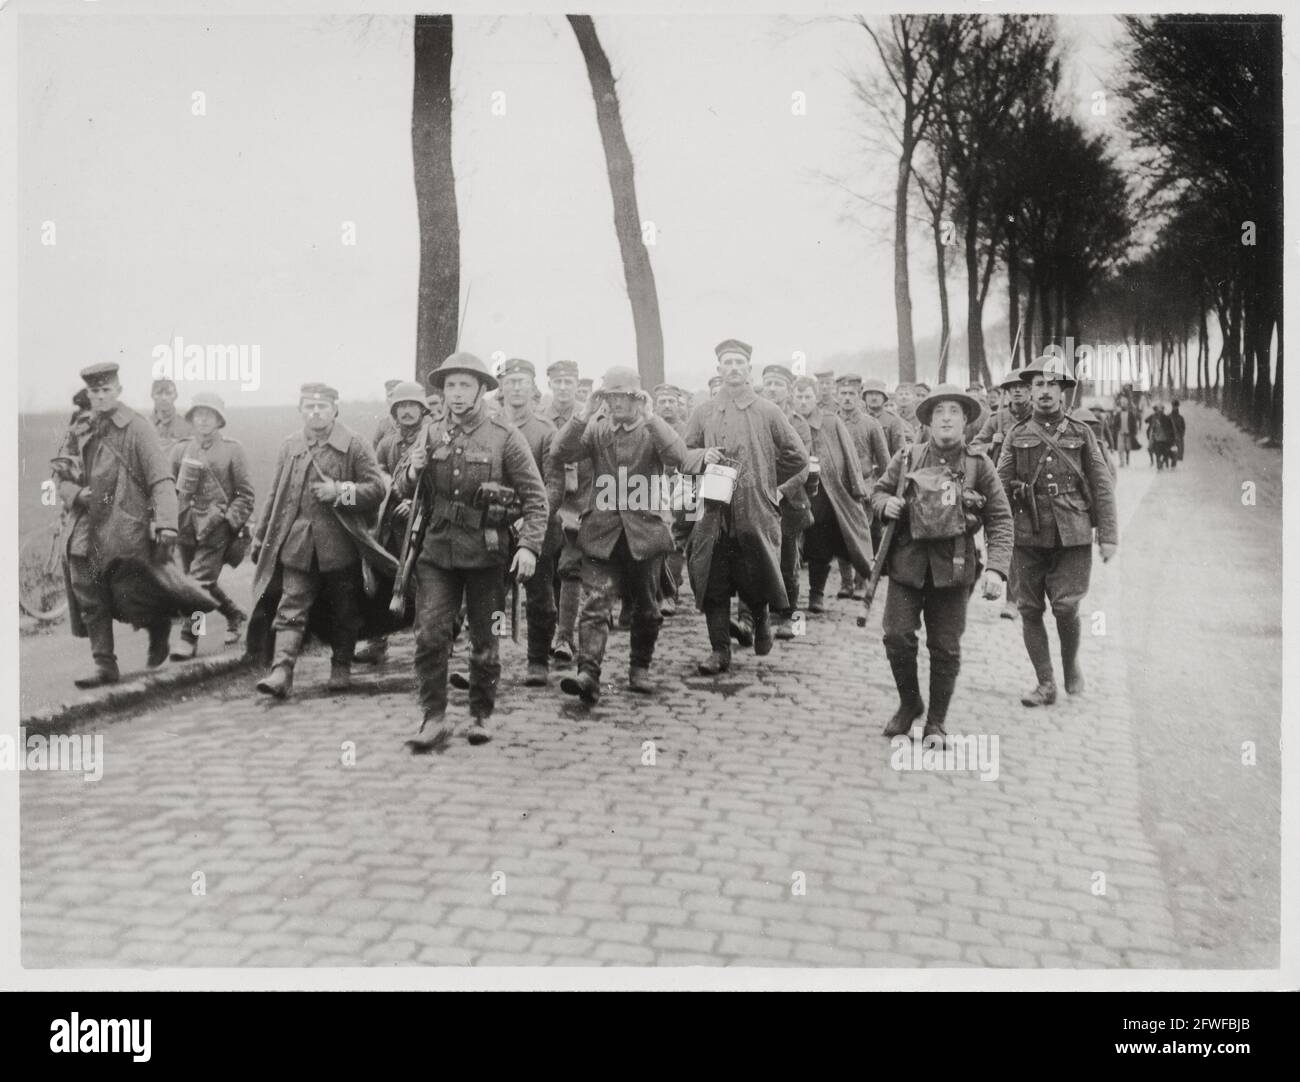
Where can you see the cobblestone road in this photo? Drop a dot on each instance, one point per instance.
(771, 828)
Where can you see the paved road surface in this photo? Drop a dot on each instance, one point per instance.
(771, 828)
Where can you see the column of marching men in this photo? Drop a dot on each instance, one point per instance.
(593, 506)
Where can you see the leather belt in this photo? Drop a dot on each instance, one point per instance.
(462, 514)
(1056, 488)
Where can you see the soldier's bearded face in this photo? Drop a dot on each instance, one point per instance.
(517, 389)
(204, 421)
(734, 369)
(563, 389)
(946, 422)
(408, 413)
(775, 389)
(460, 391)
(805, 400)
(1047, 394)
(104, 397)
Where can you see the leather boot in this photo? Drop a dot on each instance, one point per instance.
(1069, 630)
(186, 648)
(942, 683)
(279, 681)
(478, 731)
(584, 685)
(160, 635)
(816, 603)
(718, 620)
(340, 676)
(910, 704)
(785, 628)
(101, 647)
(1009, 610)
(762, 631)
(846, 581)
(566, 619)
(236, 618)
(668, 606)
(431, 733)
(742, 627)
(638, 679)
(538, 675)
(562, 649)
(1040, 656)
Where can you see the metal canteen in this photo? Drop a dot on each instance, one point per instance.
(814, 465)
(718, 483)
(187, 481)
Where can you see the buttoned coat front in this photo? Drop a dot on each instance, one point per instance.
(841, 480)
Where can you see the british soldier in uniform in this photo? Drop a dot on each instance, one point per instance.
(876, 398)
(310, 537)
(623, 535)
(518, 381)
(474, 472)
(408, 412)
(994, 430)
(951, 493)
(1060, 486)
(215, 493)
(841, 523)
(168, 425)
(573, 481)
(121, 490)
(735, 547)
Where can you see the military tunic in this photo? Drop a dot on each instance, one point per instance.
(171, 429)
(461, 558)
(540, 589)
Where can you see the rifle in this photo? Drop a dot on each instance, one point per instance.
(413, 539)
(878, 566)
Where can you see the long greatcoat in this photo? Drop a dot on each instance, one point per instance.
(841, 480)
(769, 457)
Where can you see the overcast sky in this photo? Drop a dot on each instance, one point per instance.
(228, 227)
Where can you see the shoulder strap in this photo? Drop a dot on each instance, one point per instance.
(1066, 458)
(135, 477)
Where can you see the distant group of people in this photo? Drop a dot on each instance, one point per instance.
(590, 500)
(1166, 433)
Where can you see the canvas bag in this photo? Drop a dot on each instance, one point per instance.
(934, 506)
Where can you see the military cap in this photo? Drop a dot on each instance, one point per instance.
(778, 370)
(947, 392)
(920, 385)
(805, 383)
(466, 363)
(825, 373)
(160, 383)
(1011, 379)
(848, 380)
(586, 381)
(713, 380)
(667, 388)
(875, 386)
(389, 384)
(1050, 366)
(733, 345)
(208, 400)
(406, 392)
(318, 392)
(96, 375)
(620, 380)
(563, 368)
(516, 366)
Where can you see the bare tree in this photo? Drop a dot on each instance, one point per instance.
(435, 195)
(637, 272)
(915, 53)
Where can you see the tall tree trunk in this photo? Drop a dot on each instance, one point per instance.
(1013, 294)
(637, 271)
(945, 321)
(902, 284)
(1027, 334)
(977, 364)
(435, 196)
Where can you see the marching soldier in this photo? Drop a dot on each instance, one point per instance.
(408, 412)
(933, 563)
(669, 404)
(904, 408)
(841, 524)
(122, 489)
(875, 398)
(1060, 487)
(977, 392)
(311, 535)
(873, 456)
(735, 547)
(996, 426)
(630, 449)
(573, 481)
(583, 393)
(796, 508)
(826, 390)
(518, 381)
(387, 426)
(474, 472)
(715, 385)
(215, 492)
(168, 425)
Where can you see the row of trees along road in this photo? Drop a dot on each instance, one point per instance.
(974, 107)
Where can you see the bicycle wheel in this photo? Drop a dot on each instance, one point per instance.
(41, 592)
